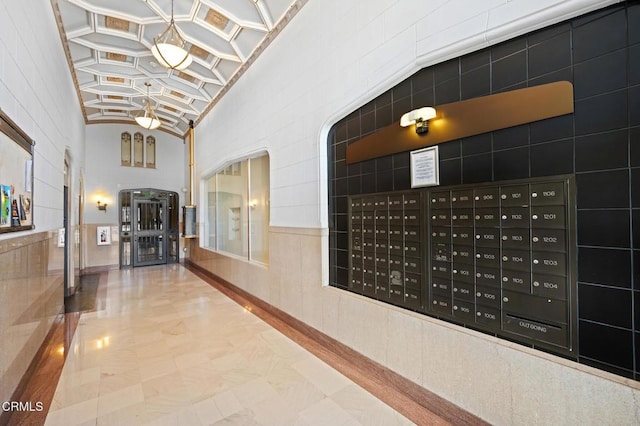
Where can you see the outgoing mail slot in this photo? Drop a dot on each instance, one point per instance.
(488, 296)
(412, 217)
(381, 202)
(412, 249)
(440, 200)
(515, 238)
(441, 269)
(488, 237)
(550, 286)
(395, 202)
(464, 291)
(548, 240)
(441, 286)
(488, 276)
(516, 281)
(412, 233)
(463, 254)
(514, 196)
(463, 272)
(548, 263)
(441, 217)
(395, 233)
(556, 334)
(463, 236)
(413, 281)
(412, 264)
(441, 235)
(462, 217)
(488, 316)
(462, 198)
(547, 217)
(516, 260)
(486, 197)
(396, 248)
(441, 304)
(412, 201)
(464, 311)
(547, 193)
(534, 307)
(441, 252)
(515, 217)
(489, 257)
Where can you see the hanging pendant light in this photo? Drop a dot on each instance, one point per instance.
(147, 118)
(168, 48)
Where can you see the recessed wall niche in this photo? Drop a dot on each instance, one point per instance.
(597, 147)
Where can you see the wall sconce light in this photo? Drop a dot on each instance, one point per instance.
(420, 117)
(102, 207)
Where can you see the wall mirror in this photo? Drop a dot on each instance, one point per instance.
(16, 177)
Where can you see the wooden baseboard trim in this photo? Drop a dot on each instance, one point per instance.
(411, 400)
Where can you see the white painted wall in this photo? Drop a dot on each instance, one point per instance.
(37, 92)
(332, 58)
(106, 177)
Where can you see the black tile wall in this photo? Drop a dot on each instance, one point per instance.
(599, 143)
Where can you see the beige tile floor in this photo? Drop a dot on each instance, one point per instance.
(168, 349)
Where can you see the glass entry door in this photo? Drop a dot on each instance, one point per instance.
(149, 242)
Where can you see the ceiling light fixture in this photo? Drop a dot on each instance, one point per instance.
(147, 118)
(420, 117)
(168, 47)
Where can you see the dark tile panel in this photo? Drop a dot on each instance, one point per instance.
(447, 92)
(384, 181)
(552, 158)
(550, 55)
(422, 80)
(633, 13)
(601, 113)
(635, 243)
(508, 48)
(599, 33)
(477, 168)
(606, 228)
(601, 151)
(401, 107)
(547, 33)
(511, 164)
(384, 163)
(601, 190)
(446, 71)
(551, 129)
(401, 159)
(449, 150)
(475, 60)
(564, 74)
(401, 179)
(603, 266)
(635, 188)
(402, 90)
(600, 75)
(368, 108)
(511, 137)
(607, 344)
(606, 367)
(384, 116)
(383, 100)
(634, 141)
(450, 172)
(634, 64)
(475, 83)
(353, 127)
(634, 106)
(611, 306)
(476, 144)
(340, 151)
(636, 318)
(368, 123)
(509, 71)
(341, 132)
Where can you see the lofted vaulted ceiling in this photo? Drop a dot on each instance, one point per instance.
(108, 46)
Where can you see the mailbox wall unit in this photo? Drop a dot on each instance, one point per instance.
(496, 257)
(149, 227)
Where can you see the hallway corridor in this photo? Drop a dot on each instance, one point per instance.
(165, 347)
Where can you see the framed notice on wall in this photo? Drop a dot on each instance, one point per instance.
(424, 167)
(16, 177)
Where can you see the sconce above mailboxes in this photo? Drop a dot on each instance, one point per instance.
(467, 118)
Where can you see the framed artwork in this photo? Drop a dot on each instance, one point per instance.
(424, 167)
(103, 235)
(16, 177)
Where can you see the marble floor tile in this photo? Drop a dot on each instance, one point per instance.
(169, 349)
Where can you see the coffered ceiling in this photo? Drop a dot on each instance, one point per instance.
(108, 47)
